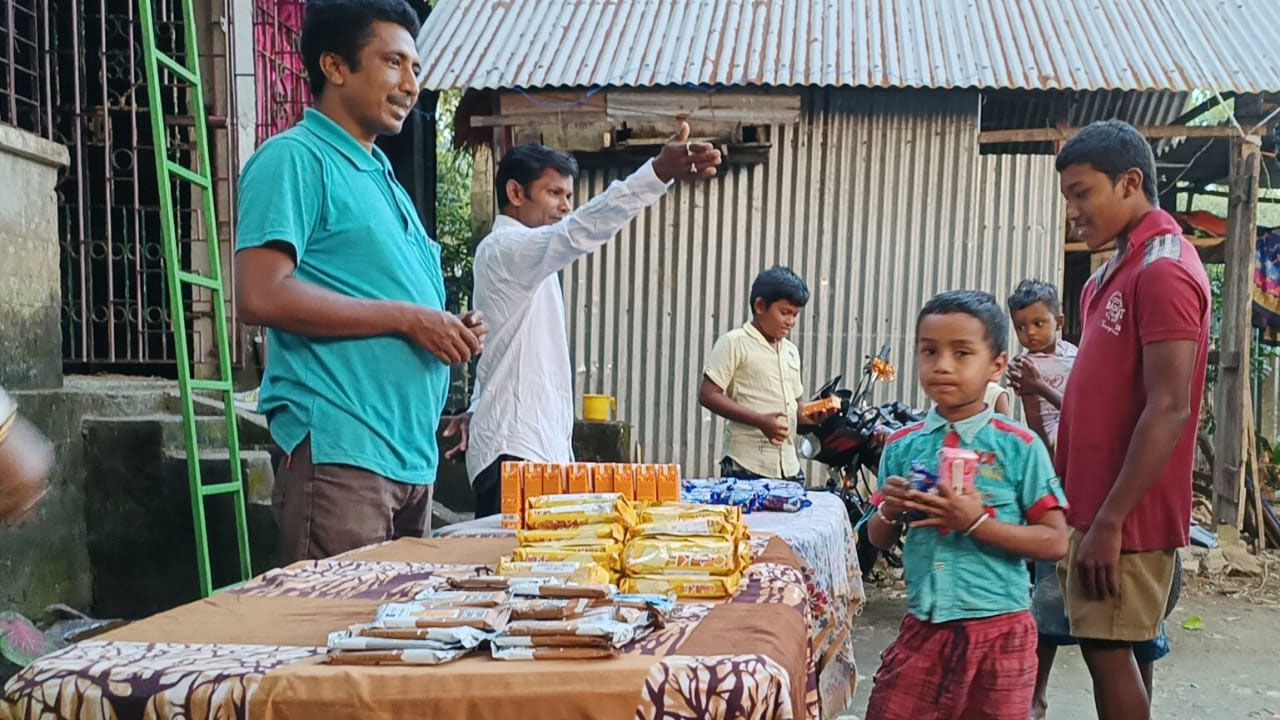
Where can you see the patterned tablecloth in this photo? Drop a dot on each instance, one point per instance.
(823, 538)
(255, 651)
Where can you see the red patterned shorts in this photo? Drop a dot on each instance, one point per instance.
(961, 670)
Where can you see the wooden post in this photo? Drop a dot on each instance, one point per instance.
(1231, 396)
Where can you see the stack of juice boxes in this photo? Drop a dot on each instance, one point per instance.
(636, 483)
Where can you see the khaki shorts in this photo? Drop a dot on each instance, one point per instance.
(1132, 615)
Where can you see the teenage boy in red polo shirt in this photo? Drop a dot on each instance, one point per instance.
(1126, 437)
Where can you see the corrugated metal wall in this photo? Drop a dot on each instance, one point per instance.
(878, 199)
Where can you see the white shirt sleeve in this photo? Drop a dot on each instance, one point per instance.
(521, 261)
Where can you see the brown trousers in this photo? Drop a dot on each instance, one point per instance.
(323, 510)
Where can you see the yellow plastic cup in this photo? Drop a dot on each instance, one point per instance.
(597, 408)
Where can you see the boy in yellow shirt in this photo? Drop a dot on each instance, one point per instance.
(752, 379)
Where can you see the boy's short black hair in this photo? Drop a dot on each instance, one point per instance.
(341, 27)
(1030, 292)
(1112, 147)
(976, 303)
(779, 283)
(526, 163)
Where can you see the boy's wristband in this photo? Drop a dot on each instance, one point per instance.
(976, 523)
(885, 518)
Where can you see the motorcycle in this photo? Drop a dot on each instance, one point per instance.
(849, 443)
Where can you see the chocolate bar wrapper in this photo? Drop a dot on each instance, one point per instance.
(548, 608)
(564, 590)
(461, 598)
(551, 653)
(549, 641)
(410, 615)
(344, 640)
(418, 656)
(617, 632)
(447, 636)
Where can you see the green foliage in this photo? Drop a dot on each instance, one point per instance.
(453, 205)
(453, 230)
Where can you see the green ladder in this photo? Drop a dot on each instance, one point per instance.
(176, 276)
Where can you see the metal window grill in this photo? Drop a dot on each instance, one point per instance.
(24, 66)
(279, 72)
(115, 308)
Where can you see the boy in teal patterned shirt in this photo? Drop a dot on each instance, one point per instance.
(967, 645)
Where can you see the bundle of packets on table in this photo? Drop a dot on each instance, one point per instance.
(688, 550)
(750, 494)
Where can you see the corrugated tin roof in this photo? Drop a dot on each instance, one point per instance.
(1176, 45)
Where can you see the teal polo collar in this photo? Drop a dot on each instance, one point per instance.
(323, 127)
(967, 428)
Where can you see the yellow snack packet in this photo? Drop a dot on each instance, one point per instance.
(588, 573)
(599, 531)
(664, 554)
(605, 555)
(565, 516)
(573, 499)
(667, 512)
(685, 586)
(688, 526)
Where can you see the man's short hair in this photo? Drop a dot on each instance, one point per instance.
(975, 303)
(779, 283)
(526, 163)
(342, 27)
(1030, 292)
(1112, 147)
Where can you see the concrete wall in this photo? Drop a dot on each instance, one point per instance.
(30, 287)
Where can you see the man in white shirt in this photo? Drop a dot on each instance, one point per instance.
(522, 403)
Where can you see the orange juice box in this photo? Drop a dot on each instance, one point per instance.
(553, 479)
(624, 480)
(512, 495)
(532, 480)
(668, 483)
(602, 478)
(579, 478)
(647, 483)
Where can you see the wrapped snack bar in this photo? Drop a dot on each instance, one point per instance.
(461, 598)
(551, 653)
(564, 572)
(417, 615)
(540, 608)
(565, 516)
(684, 586)
(418, 656)
(461, 636)
(681, 555)
(609, 532)
(690, 526)
(607, 555)
(667, 512)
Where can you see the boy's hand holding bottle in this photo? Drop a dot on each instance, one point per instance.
(957, 511)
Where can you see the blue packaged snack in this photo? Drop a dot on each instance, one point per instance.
(922, 479)
(786, 496)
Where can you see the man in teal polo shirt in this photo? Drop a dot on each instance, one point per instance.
(332, 258)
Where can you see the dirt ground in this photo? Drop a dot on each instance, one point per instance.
(1227, 670)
